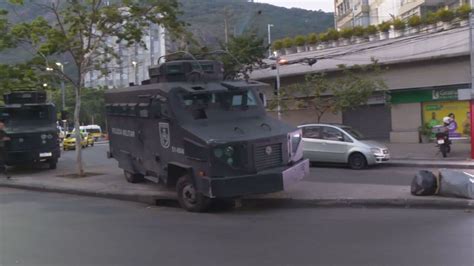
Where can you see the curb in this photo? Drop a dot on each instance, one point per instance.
(429, 164)
(167, 197)
(147, 199)
(361, 203)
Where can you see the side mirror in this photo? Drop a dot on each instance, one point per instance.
(263, 98)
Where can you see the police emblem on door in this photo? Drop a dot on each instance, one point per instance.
(164, 135)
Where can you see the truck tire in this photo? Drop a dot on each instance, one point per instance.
(357, 161)
(190, 199)
(133, 178)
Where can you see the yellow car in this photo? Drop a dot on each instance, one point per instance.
(90, 139)
(69, 142)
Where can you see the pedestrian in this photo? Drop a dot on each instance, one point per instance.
(3, 138)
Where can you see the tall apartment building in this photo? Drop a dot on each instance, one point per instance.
(350, 13)
(132, 65)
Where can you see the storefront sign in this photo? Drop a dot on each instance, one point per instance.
(439, 95)
(434, 112)
(418, 96)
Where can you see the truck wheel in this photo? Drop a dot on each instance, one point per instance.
(357, 161)
(189, 198)
(52, 164)
(133, 178)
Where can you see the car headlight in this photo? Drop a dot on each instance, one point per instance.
(43, 136)
(376, 151)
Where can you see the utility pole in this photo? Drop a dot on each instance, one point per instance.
(471, 43)
(278, 87)
(226, 25)
(269, 28)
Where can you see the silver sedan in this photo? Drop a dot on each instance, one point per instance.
(341, 144)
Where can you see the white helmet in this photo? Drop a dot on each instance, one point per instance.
(447, 120)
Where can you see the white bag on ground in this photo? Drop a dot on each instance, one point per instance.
(456, 184)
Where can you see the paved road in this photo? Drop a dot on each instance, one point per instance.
(383, 175)
(51, 229)
(386, 175)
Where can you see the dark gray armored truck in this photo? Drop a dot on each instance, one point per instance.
(210, 138)
(31, 126)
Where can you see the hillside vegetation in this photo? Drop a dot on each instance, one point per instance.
(206, 19)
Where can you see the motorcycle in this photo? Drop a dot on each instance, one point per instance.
(442, 139)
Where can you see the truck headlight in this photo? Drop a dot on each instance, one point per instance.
(294, 145)
(43, 136)
(226, 154)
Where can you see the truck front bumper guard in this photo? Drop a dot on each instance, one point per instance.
(267, 181)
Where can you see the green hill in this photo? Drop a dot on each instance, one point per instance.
(207, 19)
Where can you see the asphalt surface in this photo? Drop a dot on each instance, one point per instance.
(52, 229)
(382, 174)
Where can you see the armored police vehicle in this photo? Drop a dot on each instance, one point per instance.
(210, 139)
(31, 125)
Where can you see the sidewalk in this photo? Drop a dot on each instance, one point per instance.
(428, 155)
(110, 183)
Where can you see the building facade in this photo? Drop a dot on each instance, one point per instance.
(133, 62)
(349, 13)
(427, 77)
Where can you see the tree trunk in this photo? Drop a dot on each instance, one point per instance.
(319, 116)
(77, 110)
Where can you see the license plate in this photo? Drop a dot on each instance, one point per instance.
(440, 141)
(46, 154)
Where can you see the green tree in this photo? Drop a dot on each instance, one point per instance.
(322, 94)
(244, 53)
(81, 29)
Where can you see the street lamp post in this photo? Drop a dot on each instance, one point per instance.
(278, 62)
(63, 91)
(134, 63)
(269, 28)
(278, 87)
(471, 104)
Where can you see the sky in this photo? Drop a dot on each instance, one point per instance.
(326, 5)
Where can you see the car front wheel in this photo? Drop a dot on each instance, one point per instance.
(357, 161)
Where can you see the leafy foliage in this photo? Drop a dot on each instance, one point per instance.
(384, 26)
(300, 40)
(464, 11)
(82, 29)
(323, 94)
(414, 21)
(398, 24)
(445, 15)
(249, 50)
(347, 33)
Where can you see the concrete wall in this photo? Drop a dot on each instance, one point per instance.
(406, 118)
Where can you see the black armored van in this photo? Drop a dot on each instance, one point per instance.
(211, 139)
(31, 126)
